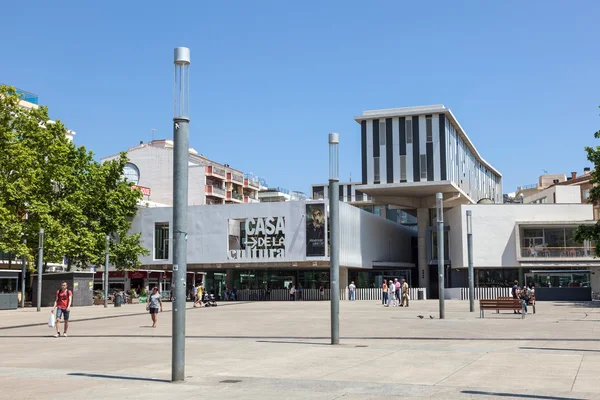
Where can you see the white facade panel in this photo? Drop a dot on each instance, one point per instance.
(396, 149)
(370, 170)
(409, 163)
(437, 166)
(365, 237)
(494, 242)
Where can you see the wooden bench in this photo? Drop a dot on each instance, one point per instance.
(530, 304)
(497, 304)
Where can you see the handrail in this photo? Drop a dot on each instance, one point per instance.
(557, 252)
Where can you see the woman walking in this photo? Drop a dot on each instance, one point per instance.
(152, 304)
(384, 292)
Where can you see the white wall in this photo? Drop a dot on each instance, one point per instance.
(494, 243)
(557, 195)
(156, 172)
(366, 237)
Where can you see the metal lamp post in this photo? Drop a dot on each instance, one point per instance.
(106, 272)
(440, 242)
(23, 273)
(470, 255)
(334, 220)
(39, 270)
(181, 133)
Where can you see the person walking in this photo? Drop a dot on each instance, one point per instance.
(515, 294)
(351, 291)
(392, 294)
(195, 295)
(62, 306)
(404, 290)
(152, 304)
(397, 290)
(292, 292)
(384, 293)
(299, 291)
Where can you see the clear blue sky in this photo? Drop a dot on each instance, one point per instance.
(270, 79)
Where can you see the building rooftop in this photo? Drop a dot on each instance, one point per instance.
(422, 110)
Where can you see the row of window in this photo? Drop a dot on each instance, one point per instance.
(422, 164)
(409, 130)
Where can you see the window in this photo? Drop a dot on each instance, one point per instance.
(341, 192)
(586, 194)
(402, 168)
(161, 241)
(382, 133)
(409, 131)
(376, 173)
(359, 196)
(429, 128)
(319, 192)
(423, 166)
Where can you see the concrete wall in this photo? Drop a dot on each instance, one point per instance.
(494, 243)
(365, 237)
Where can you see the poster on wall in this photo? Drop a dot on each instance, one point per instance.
(315, 230)
(256, 238)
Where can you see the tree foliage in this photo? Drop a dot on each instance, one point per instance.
(592, 232)
(48, 182)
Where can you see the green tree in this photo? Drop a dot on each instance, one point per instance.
(592, 232)
(47, 182)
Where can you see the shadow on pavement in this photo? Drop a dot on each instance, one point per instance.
(579, 304)
(110, 317)
(127, 378)
(517, 395)
(303, 338)
(557, 349)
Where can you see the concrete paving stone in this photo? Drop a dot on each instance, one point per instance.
(281, 350)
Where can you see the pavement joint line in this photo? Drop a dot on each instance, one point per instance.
(460, 369)
(106, 317)
(577, 374)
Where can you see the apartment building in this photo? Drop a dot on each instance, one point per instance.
(150, 168)
(31, 101)
(279, 194)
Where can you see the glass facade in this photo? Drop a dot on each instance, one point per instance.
(559, 279)
(553, 242)
(278, 279)
(497, 277)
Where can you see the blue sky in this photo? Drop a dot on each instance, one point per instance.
(270, 79)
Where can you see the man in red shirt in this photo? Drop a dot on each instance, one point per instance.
(62, 305)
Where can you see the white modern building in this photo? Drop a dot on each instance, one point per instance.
(409, 155)
(269, 245)
(528, 243)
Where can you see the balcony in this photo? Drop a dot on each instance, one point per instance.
(248, 199)
(252, 183)
(541, 253)
(216, 172)
(234, 197)
(237, 178)
(215, 191)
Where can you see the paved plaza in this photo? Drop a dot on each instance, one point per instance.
(280, 350)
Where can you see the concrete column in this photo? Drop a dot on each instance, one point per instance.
(595, 282)
(423, 266)
(344, 281)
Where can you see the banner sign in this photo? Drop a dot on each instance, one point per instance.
(315, 230)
